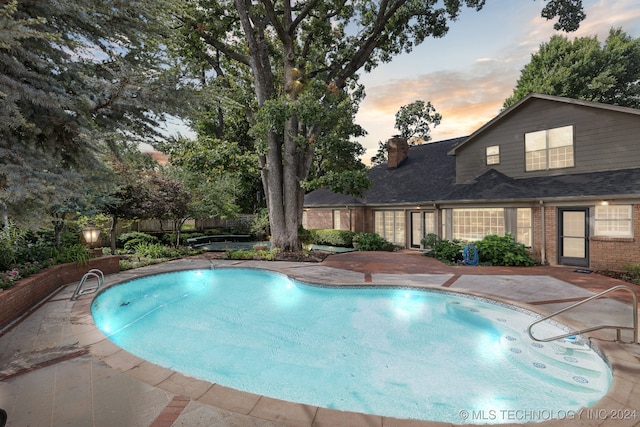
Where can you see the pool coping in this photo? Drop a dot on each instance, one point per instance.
(623, 391)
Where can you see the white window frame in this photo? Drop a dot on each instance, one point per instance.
(391, 225)
(524, 226)
(549, 149)
(471, 224)
(492, 155)
(613, 221)
(336, 219)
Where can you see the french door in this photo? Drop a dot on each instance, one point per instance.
(423, 222)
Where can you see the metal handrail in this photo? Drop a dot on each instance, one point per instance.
(595, 328)
(94, 272)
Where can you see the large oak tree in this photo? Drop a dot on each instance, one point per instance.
(304, 57)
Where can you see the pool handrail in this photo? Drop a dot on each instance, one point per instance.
(618, 328)
(94, 272)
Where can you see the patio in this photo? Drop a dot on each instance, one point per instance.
(58, 369)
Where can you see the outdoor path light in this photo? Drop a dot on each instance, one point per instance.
(91, 234)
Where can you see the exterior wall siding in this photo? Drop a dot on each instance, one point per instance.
(603, 140)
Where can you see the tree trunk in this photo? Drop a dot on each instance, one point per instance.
(112, 234)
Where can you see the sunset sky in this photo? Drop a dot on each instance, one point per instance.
(469, 73)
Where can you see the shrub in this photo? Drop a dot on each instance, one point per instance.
(260, 224)
(304, 236)
(503, 250)
(77, 253)
(373, 242)
(240, 254)
(330, 237)
(268, 254)
(156, 250)
(429, 240)
(11, 238)
(246, 254)
(448, 251)
(137, 237)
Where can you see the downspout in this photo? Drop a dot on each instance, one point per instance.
(543, 252)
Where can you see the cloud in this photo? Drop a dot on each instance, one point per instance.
(466, 99)
(472, 94)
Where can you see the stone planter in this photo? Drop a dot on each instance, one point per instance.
(28, 292)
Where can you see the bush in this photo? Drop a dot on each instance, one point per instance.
(77, 253)
(373, 242)
(330, 237)
(304, 236)
(448, 251)
(246, 254)
(429, 240)
(11, 238)
(240, 253)
(504, 251)
(156, 250)
(137, 237)
(260, 224)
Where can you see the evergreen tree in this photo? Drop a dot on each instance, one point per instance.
(77, 77)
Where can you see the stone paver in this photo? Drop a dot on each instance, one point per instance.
(57, 369)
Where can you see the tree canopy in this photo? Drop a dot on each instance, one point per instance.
(77, 78)
(304, 58)
(585, 69)
(413, 121)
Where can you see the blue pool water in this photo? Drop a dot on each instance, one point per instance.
(404, 353)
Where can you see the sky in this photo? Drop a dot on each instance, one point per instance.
(468, 74)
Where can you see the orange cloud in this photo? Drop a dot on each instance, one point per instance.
(468, 98)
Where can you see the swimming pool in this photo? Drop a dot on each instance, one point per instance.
(405, 353)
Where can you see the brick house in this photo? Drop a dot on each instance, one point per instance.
(561, 175)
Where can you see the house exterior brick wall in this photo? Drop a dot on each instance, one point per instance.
(319, 218)
(351, 218)
(551, 234)
(613, 253)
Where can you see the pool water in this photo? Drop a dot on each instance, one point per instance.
(404, 353)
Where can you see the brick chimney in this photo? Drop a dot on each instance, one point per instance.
(397, 151)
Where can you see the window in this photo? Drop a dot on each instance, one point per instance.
(390, 225)
(336, 219)
(493, 155)
(474, 224)
(549, 149)
(614, 221)
(524, 227)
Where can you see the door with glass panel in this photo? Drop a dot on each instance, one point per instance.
(573, 238)
(421, 223)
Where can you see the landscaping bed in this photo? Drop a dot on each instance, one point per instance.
(28, 292)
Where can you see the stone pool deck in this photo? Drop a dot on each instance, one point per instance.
(57, 369)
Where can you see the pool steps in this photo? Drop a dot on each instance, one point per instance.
(559, 361)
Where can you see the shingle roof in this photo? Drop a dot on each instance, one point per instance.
(493, 185)
(428, 175)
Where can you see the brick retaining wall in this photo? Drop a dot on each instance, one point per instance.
(26, 293)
